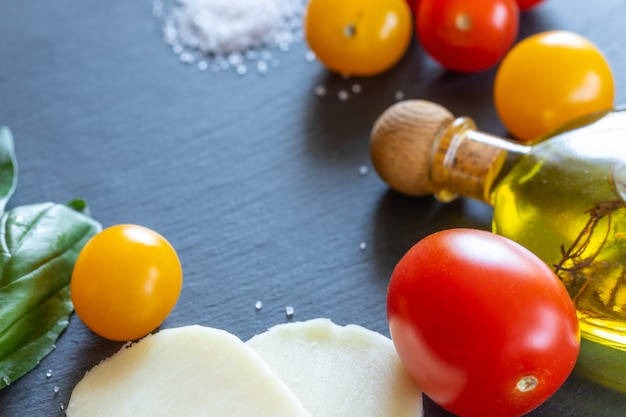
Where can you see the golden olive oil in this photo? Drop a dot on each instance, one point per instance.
(563, 201)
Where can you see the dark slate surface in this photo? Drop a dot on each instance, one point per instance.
(254, 179)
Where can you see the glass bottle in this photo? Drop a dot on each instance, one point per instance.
(563, 196)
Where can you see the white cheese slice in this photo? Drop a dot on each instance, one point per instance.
(339, 371)
(188, 371)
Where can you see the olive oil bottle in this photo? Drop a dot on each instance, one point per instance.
(562, 196)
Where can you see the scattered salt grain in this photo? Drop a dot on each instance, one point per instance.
(289, 311)
(310, 56)
(187, 58)
(177, 49)
(235, 58)
(363, 246)
(320, 90)
(261, 67)
(399, 95)
(56, 389)
(49, 373)
(363, 170)
(356, 88)
(343, 95)
(258, 305)
(242, 69)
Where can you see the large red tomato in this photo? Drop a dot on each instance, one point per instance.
(467, 36)
(484, 327)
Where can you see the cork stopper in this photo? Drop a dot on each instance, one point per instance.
(419, 148)
(402, 141)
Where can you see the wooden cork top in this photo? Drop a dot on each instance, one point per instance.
(419, 148)
(401, 144)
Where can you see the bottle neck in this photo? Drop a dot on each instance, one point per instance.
(466, 162)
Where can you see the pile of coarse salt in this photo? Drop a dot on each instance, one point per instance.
(224, 34)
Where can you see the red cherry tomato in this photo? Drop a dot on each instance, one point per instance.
(484, 327)
(467, 36)
(525, 5)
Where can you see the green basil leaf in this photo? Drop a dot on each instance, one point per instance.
(39, 245)
(8, 167)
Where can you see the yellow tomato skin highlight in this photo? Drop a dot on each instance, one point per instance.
(125, 282)
(549, 79)
(358, 37)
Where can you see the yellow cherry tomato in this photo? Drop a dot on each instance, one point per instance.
(126, 280)
(549, 79)
(358, 37)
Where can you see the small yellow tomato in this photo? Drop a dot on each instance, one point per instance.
(358, 37)
(549, 79)
(126, 280)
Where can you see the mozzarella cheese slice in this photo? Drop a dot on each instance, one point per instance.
(339, 371)
(188, 371)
